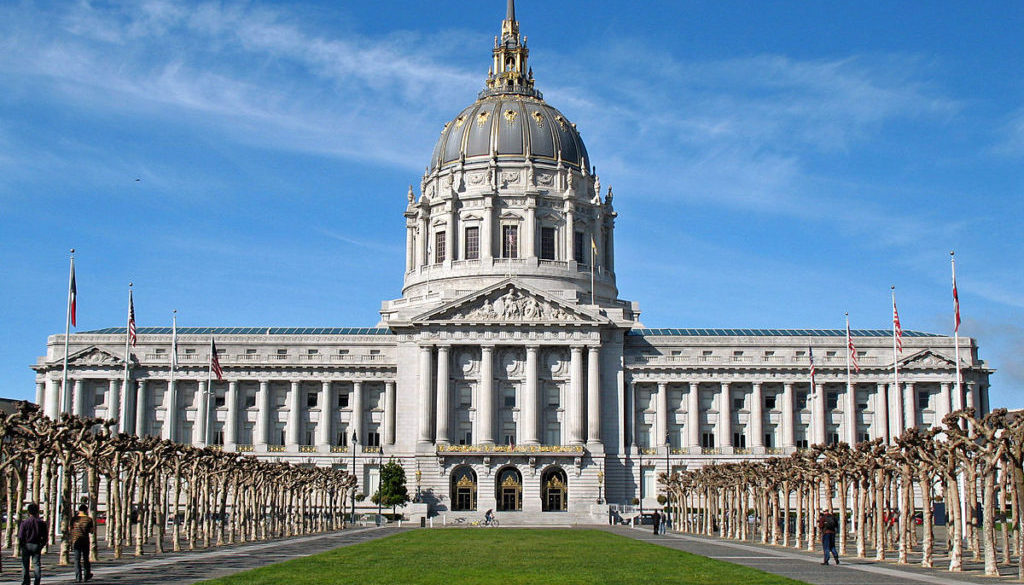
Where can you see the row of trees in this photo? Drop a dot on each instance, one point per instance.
(874, 490)
(151, 487)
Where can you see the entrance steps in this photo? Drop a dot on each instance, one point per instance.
(521, 518)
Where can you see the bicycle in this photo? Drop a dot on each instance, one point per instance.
(492, 523)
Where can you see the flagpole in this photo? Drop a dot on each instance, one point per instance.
(956, 332)
(122, 408)
(851, 418)
(67, 335)
(206, 399)
(172, 417)
(895, 366)
(593, 262)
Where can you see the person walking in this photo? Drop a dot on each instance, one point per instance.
(657, 521)
(31, 540)
(827, 524)
(82, 527)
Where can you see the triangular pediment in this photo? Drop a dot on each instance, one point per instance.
(509, 301)
(94, 356)
(927, 359)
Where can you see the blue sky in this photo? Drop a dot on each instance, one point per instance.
(774, 164)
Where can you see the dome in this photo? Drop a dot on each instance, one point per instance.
(514, 127)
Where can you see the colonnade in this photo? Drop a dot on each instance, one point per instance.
(894, 411)
(582, 407)
(133, 412)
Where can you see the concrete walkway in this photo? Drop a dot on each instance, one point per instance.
(804, 566)
(191, 567)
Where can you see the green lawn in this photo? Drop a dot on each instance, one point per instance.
(455, 556)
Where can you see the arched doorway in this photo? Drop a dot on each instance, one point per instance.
(554, 490)
(463, 489)
(509, 490)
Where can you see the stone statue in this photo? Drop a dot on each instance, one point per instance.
(412, 196)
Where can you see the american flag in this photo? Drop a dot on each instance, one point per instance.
(810, 356)
(853, 350)
(215, 362)
(132, 334)
(897, 331)
(955, 305)
(73, 295)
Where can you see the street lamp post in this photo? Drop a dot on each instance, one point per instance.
(355, 441)
(668, 473)
(640, 451)
(380, 481)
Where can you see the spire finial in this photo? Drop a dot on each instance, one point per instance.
(510, 12)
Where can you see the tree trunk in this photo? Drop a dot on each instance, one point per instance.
(988, 535)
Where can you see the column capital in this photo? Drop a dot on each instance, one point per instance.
(694, 385)
(532, 348)
(662, 386)
(577, 349)
(756, 385)
(443, 347)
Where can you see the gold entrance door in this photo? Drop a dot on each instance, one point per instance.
(555, 499)
(464, 490)
(510, 492)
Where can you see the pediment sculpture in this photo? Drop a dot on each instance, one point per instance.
(511, 304)
(927, 359)
(95, 357)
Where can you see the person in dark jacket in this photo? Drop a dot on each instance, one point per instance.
(82, 528)
(31, 540)
(828, 525)
(657, 521)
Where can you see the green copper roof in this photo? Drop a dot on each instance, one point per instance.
(775, 333)
(249, 331)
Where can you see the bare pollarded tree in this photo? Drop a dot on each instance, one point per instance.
(215, 497)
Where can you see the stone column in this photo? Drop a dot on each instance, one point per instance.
(389, 412)
(202, 415)
(141, 408)
(126, 416)
(52, 403)
(79, 397)
(325, 426)
(909, 405)
(818, 414)
(629, 414)
(594, 396)
(410, 246)
(487, 230)
(262, 432)
(896, 419)
(443, 395)
(575, 404)
(788, 417)
(850, 414)
(881, 421)
(756, 428)
(610, 245)
(970, 395)
(530, 228)
(114, 401)
(171, 411)
(570, 232)
(294, 422)
(426, 410)
(693, 417)
(422, 241)
(661, 440)
(356, 424)
(725, 418)
(231, 416)
(449, 234)
(485, 411)
(945, 402)
(41, 394)
(530, 398)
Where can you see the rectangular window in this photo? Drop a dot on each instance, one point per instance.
(510, 401)
(250, 400)
(439, 247)
(833, 438)
(312, 351)
(100, 397)
(738, 404)
(190, 352)
(768, 353)
(468, 439)
(831, 400)
(311, 400)
(547, 243)
(706, 352)
(510, 439)
(373, 439)
(863, 437)
(923, 398)
(737, 353)
(707, 440)
(509, 241)
(830, 354)
(739, 440)
(161, 350)
(577, 248)
(280, 436)
(282, 352)
(308, 436)
(342, 352)
(769, 440)
(342, 439)
(472, 243)
(801, 401)
(769, 402)
(801, 443)
(343, 400)
(218, 400)
(250, 352)
(218, 437)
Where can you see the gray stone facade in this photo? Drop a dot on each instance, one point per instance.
(510, 375)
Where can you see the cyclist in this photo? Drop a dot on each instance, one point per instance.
(488, 517)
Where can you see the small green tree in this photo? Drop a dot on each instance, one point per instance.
(393, 491)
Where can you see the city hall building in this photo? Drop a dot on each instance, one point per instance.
(511, 375)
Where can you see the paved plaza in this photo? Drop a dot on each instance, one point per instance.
(806, 566)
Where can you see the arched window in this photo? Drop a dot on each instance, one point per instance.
(509, 490)
(554, 490)
(463, 489)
